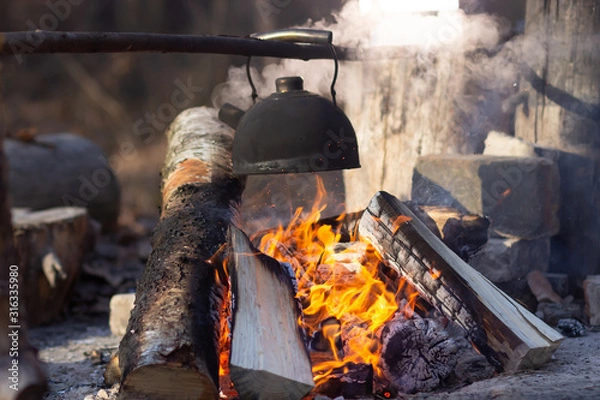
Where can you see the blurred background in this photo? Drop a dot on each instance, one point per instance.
(118, 100)
(110, 98)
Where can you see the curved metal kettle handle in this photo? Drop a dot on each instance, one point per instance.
(297, 35)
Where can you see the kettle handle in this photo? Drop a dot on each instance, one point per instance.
(298, 35)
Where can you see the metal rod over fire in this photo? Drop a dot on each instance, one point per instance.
(281, 45)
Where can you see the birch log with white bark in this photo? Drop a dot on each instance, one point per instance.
(170, 350)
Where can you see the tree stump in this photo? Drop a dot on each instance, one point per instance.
(52, 246)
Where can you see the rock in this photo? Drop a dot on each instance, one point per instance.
(571, 327)
(120, 310)
(519, 195)
(552, 313)
(501, 144)
(69, 170)
(503, 260)
(591, 288)
(575, 249)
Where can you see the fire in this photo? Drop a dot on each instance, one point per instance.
(341, 287)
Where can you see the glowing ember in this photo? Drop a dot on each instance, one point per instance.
(338, 281)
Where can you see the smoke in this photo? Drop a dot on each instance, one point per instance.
(440, 42)
(428, 83)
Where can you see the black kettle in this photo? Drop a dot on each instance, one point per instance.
(292, 130)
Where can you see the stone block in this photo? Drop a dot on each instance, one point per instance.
(120, 310)
(504, 260)
(591, 288)
(520, 195)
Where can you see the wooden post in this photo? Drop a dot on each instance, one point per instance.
(407, 108)
(170, 350)
(561, 113)
(21, 374)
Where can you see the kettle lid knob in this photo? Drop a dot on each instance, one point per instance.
(289, 83)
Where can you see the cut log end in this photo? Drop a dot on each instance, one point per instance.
(417, 354)
(265, 385)
(167, 382)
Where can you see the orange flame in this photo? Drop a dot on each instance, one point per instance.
(339, 280)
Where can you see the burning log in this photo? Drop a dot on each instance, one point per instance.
(417, 355)
(506, 333)
(463, 234)
(352, 381)
(268, 357)
(21, 373)
(170, 348)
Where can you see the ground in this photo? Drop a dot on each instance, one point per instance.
(76, 351)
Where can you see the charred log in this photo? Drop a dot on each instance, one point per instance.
(170, 349)
(352, 381)
(505, 332)
(464, 234)
(418, 354)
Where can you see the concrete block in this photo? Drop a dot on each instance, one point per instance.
(520, 195)
(120, 310)
(504, 260)
(591, 288)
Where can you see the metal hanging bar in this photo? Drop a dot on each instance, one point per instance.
(40, 42)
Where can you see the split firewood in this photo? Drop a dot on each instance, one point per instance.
(268, 359)
(170, 349)
(417, 354)
(21, 373)
(52, 246)
(509, 336)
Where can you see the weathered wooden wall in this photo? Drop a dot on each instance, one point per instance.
(406, 108)
(561, 112)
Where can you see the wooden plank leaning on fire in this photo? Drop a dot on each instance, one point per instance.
(509, 336)
(170, 350)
